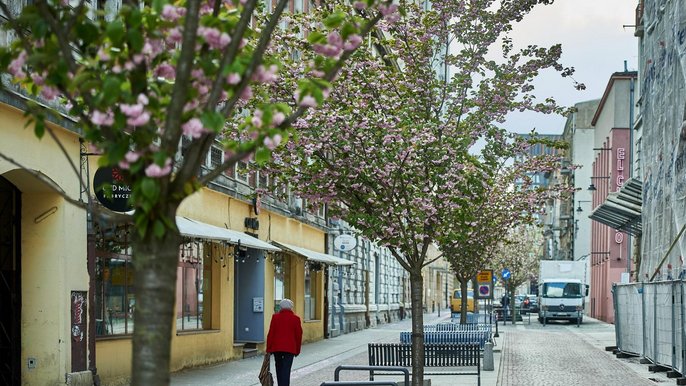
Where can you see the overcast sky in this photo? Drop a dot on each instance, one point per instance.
(594, 42)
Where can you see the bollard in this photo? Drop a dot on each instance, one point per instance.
(496, 328)
(488, 357)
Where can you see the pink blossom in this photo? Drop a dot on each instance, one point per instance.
(246, 94)
(102, 119)
(272, 142)
(171, 13)
(139, 120)
(278, 118)
(214, 37)
(353, 42)
(308, 101)
(103, 55)
(360, 5)
(155, 171)
(233, 78)
(39, 80)
(49, 93)
(257, 119)
(193, 128)
(266, 75)
(132, 156)
(166, 71)
(388, 9)
(174, 35)
(143, 99)
(16, 66)
(132, 110)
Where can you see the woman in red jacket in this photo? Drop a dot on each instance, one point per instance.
(284, 340)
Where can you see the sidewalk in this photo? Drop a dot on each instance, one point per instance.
(317, 361)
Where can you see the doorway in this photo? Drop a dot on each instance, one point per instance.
(10, 283)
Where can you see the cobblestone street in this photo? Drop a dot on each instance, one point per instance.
(558, 354)
(527, 354)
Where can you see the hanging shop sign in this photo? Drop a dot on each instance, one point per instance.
(111, 190)
(345, 243)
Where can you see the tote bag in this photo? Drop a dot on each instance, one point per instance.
(265, 376)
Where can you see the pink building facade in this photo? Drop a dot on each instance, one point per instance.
(610, 249)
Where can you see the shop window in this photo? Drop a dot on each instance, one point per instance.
(311, 290)
(115, 298)
(193, 287)
(281, 280)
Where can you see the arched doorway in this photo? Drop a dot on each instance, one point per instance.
(10, 283)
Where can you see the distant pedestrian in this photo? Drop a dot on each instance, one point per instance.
(284, 340)
(505, 302)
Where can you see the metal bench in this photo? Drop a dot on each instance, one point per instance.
(469, 336)
(435, 355)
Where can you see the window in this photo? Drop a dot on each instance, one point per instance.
(262, 180)
(193, 287)
(216, 157)
(115, 298)
(281, 280)
(242, 173)
(311, 269)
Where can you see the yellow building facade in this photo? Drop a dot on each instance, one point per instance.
(44, 260)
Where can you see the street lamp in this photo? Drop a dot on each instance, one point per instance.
(592, 187)
(578, 209)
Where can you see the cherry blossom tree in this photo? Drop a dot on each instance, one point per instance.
(520, 252)
(392, 150)
(138, 80)
(509, 200)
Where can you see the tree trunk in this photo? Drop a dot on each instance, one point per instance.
(464, 300)
(416, 288)
(155, 264)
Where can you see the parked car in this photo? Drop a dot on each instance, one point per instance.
(533, 305)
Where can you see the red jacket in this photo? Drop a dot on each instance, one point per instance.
(285, 333)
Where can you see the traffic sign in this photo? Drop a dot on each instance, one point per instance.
(484, 284)
(506, 273)
(484, 291)
(484, 276)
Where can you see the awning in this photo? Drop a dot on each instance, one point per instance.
(314, 256)
(201, 230)
(622, 209)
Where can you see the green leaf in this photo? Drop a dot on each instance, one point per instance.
(262, 155)
(348, 29)
(87, 32)
(115, 31)
(142, 225)
(39, 128)
(136, 40)
(334, 20)
(157, 5)
(150, 189)
(212, 120)
(316, 37)
(111, 89)
(158, 229)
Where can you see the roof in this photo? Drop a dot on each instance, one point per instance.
(622, 209)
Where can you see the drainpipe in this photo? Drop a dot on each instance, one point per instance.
(631, 162)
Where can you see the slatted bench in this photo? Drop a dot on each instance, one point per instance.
(435, 355)
(470, 336)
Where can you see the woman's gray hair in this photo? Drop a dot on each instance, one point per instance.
(286, 304)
